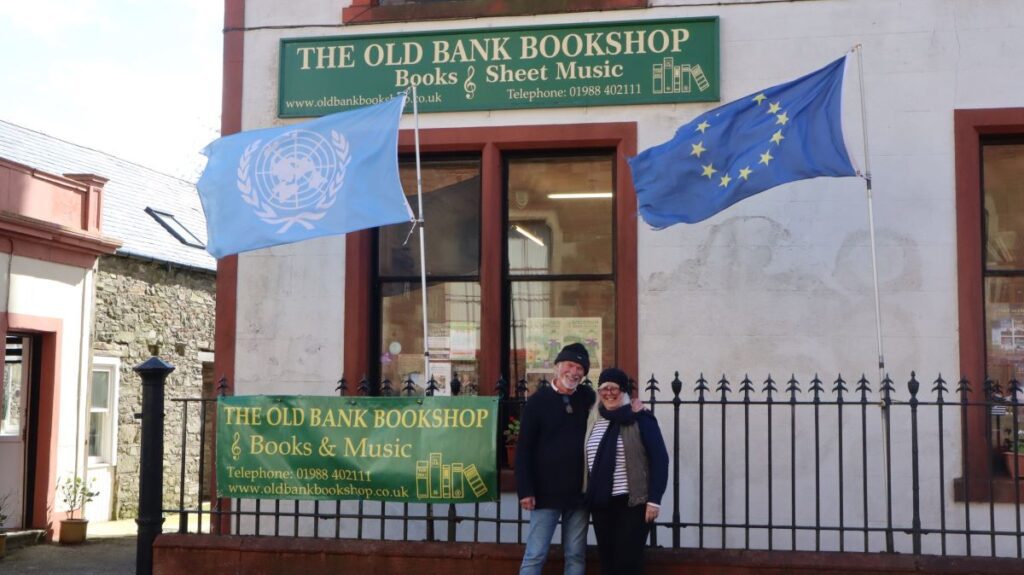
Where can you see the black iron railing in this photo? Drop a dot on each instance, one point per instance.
(774, 466)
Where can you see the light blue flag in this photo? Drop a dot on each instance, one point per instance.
(782, 134)
(328, 176)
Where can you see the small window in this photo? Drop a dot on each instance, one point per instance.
(369, 11)
(102, 404)
(176, 228)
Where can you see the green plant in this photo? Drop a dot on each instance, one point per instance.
(75, 493)
(512, 431)
(1014, 446)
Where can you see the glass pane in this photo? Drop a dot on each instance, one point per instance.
(100, 397)
(97, 435)
(1003, 177)
(560, 215)
(548, 315)
(10, 423)
(451, 207)
(13, 402)
(1004, 313)
(453, 327)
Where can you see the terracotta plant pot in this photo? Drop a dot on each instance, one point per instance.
(72, 531)
(1013, 458)
(510, 453)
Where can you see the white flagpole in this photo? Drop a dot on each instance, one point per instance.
(874, 274)
(871, 214)
(423, 252)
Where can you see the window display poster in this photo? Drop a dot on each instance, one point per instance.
(1008, 334)
(463, 340)
(544, 337)
(441, 371)
(438, 340)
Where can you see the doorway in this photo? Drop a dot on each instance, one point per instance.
(19, 413)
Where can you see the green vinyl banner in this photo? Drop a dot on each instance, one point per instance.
(411, 449)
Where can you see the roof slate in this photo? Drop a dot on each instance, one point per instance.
(130, 190)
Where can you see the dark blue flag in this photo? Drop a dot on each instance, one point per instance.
(782, 134)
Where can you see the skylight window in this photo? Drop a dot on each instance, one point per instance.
(176, 228)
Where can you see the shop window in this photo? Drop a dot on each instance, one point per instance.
(102, 405)
(530, 243)
(1002, 161)
(368, 11)
(990, 244)
(560, 267)
(451, 208)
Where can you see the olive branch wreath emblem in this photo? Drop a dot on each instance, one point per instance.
(268, 214)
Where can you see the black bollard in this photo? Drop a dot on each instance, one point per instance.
(154, 372)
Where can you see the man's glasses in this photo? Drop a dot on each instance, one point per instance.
(568, 406)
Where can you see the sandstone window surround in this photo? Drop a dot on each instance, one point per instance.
(373, 11)
(973, 130)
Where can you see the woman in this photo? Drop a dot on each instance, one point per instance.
(628, 470)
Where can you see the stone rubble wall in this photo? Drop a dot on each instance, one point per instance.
(146, 308)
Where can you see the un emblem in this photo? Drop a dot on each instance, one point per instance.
(294, 178)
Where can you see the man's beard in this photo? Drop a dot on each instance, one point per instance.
(570, 382)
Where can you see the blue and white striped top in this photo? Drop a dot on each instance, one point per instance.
(620, 485)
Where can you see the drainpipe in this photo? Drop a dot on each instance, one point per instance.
(86, 350)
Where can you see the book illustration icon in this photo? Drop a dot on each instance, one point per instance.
(698, 74)
(476, 483)
(434, 481)
(422, 479)
(446, 481)
(438, 480)
(458, 474)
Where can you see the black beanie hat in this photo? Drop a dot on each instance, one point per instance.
(575, 352)
(616, 376)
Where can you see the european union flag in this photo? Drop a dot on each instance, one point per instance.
(332, 175)
(782, 134)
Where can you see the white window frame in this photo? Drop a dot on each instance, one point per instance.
(112, 366)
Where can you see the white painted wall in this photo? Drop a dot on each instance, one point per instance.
(779, 283)
(64, 293)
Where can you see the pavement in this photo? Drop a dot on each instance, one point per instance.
(108, 550)
(112, 555)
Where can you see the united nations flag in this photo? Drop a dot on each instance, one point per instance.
(332, 175)
(782, 134)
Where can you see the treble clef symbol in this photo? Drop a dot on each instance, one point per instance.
(236, 450)
(469, 86)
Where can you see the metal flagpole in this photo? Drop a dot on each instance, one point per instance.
(419, 222)
(871, 214)
(874, 274)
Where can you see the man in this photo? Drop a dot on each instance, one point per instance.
(549, 463)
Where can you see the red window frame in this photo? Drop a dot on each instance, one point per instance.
(490, 143)
(970, 126)
(368, 11)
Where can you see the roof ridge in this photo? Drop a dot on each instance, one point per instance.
(107, 154)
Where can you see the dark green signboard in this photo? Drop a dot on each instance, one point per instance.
(431, 449)
(611, 63)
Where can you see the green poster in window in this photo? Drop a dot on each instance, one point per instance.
(599, 64)
(410, 449)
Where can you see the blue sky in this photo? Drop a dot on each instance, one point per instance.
(139, 79)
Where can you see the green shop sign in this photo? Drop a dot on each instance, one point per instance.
(430, 449)
(607, 64)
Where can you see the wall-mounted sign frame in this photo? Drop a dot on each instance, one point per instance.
(603, 64)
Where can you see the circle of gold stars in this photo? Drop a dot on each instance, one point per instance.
(708, 170)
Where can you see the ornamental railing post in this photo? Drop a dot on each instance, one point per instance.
(154, 373)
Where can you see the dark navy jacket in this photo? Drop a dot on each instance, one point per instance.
(549, 455)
